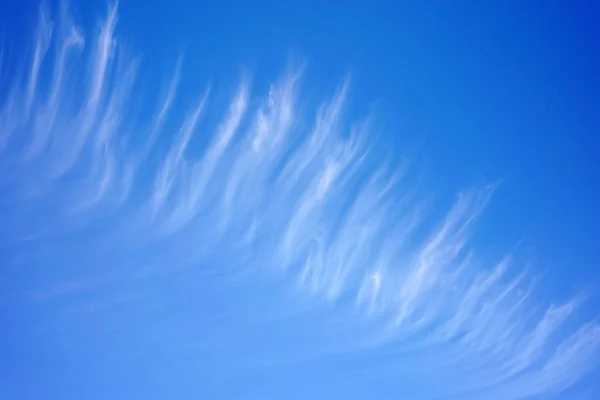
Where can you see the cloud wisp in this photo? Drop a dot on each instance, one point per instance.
(278, 192)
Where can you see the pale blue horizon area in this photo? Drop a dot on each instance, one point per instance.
(299, 200)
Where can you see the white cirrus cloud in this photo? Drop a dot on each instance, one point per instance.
(274, 191)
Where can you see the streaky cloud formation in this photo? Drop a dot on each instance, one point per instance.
(273, 193)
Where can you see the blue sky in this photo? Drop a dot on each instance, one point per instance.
(299, 200)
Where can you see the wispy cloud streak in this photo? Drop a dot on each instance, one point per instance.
(275, 191)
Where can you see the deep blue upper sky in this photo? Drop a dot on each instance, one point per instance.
(474, 93)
